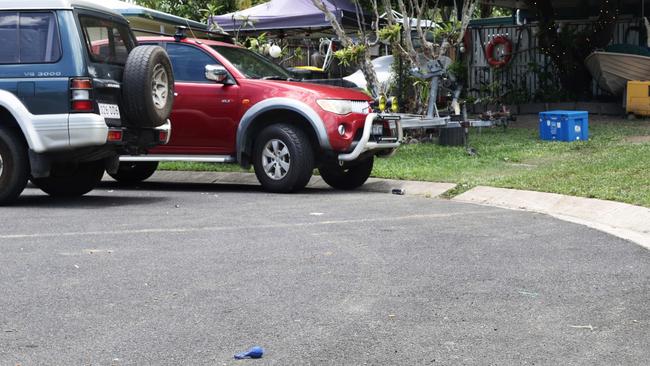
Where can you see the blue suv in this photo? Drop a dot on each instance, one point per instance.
(76, 91)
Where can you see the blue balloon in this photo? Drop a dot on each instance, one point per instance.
(254, 352)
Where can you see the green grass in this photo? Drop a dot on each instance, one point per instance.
(201, 167)
(607, 166)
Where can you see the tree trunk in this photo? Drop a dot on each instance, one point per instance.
(365, 65)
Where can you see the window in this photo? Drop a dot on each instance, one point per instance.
(251, 64)
(29, 37)
(107, 41)
(189, 62)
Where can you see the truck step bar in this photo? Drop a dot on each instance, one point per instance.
(192, 158)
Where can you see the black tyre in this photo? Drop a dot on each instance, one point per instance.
(71, 180)
(453, 136)
(14, 165)
(283, 158)
(347, 177)
(148, 86)
(134, 172)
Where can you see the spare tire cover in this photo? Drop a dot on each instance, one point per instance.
(148, 87)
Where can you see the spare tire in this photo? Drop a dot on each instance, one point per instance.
(148, 87)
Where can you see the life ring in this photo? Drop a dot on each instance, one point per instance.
(507, 56)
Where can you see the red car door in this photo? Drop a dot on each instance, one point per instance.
(205, 114)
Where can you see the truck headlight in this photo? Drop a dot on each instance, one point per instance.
(340, 106)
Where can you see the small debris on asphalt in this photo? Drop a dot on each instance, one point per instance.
(530, 294)
(76, 266)
(391, 316)
(254, 352)
(97, 251)
(590, 327)
(398, 191)
(316, 214)
(177, 206)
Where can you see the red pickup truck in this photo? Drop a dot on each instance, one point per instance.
(234, 106)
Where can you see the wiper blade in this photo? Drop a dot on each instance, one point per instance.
(276, 77)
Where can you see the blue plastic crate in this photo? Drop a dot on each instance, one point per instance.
(564, 125)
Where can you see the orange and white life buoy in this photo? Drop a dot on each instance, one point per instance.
(507, 54)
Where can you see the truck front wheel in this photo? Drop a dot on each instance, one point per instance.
(14, 165)
(283, 158)
(346, 177)
(71, 180)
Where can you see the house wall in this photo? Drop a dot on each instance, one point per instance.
(518, 76)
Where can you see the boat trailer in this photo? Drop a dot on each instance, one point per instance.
(436, 69)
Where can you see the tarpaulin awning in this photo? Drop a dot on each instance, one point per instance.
(288, 14)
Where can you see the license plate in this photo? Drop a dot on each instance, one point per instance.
(109, 110)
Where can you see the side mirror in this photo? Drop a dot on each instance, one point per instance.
(217, 73)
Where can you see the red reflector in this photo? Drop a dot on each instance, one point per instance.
(81, 84)
(162, 136)
(82, 105)
(114, 135)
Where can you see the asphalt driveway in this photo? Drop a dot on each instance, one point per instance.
(172, 274)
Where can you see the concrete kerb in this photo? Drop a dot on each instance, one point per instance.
(619, 219)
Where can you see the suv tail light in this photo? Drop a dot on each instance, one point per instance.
(81, 95)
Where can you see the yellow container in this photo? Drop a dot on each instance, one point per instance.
(638, 98)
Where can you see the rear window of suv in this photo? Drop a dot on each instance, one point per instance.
(107, 41)
(29, 37)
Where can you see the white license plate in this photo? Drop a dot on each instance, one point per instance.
(109, 110)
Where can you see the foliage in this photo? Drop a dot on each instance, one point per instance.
(198, 10)
(567, 47)
(447, 31)
(547, 85)
(258, 44)
(350, 55)
(390, 34)
(458, 69)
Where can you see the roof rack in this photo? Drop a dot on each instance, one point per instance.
(181, 33)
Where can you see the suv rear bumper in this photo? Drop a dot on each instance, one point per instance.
(87, 129)
(365, 145)
(52, 133)
(56, 132)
